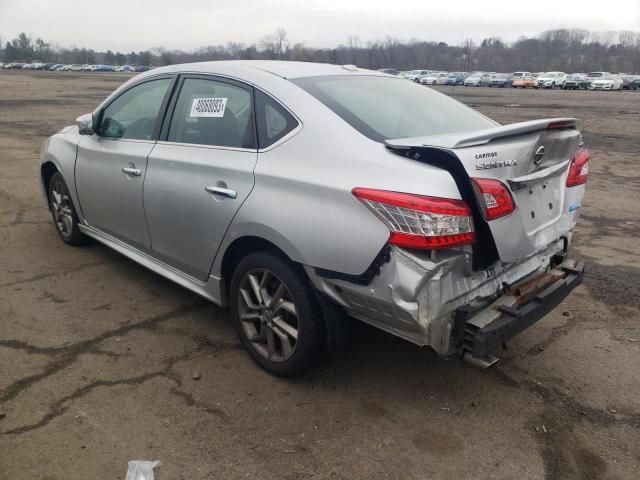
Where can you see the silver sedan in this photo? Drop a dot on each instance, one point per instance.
(301, 195)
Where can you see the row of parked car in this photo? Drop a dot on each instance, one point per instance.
(60, 67)
(547, 80)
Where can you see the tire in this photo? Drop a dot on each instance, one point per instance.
(416, 80)
(284, 341)
(63, 212)
(433, 83)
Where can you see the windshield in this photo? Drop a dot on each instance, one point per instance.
(386, 108)
(518, 75)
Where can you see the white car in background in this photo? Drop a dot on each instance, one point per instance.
(436, 78)
(551, 80)
(414, 75)
(606, 82)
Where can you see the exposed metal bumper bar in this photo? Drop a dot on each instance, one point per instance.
(517, 310)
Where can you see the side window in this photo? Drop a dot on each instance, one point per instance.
(209, 112)
(133, 114)
(274, 121)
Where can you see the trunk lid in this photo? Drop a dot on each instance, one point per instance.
(532, 160)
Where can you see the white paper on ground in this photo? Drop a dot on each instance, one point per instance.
(141, 470)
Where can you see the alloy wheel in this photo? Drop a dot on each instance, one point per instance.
(62, 209)
(268, 315)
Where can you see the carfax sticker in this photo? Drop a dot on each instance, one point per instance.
(208, 107)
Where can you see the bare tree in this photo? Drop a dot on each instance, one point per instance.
(275, 44)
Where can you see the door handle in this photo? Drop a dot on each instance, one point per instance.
(222, 191)
(132, 171)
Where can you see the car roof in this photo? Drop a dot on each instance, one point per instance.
(281, 68)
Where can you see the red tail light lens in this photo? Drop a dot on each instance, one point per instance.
(494, 198)
(416, 221)
(579, 169)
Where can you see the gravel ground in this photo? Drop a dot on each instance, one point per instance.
(99, 355)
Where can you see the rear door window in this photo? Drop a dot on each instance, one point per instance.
(212, 112)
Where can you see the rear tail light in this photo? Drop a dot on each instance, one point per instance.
(421, 222)
(494, 198)
(579, 169)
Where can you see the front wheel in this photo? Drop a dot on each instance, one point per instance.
(64, 213)
(276, 314)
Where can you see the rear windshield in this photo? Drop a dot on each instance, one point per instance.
(385, 108)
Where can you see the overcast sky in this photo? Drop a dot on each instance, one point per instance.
(186, 24)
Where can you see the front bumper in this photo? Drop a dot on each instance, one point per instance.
(479, 333)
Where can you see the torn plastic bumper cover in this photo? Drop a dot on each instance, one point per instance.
(515, 311)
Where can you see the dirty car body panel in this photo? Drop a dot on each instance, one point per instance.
(190, 204)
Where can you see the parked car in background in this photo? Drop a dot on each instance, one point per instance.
(591, 76)
(473, 80)
(606, 82)
(143, 68)
(28, 66)
(576, 81)
(435, 78)
(75, 68)
(455, 78)
(446, 230)
(551, 80)
(523, 80)
(500, 80)
(518, 75)
(414, 75)
(486, 80)
(629, 82)
(14, 66)
(125, 68)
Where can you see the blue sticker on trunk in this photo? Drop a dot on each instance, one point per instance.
(574, 207)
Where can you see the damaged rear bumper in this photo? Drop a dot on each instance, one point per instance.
(433, 299)
(479, 333)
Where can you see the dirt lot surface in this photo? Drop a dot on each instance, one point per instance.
(97, 355)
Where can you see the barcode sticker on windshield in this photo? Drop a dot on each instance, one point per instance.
(208, 107)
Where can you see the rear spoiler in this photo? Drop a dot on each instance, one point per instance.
(480, 137)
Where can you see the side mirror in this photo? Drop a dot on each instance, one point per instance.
(85, 124)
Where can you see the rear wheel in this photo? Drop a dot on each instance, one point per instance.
(63, 212)
(276, 314)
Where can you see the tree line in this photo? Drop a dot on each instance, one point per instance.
(569, 50)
